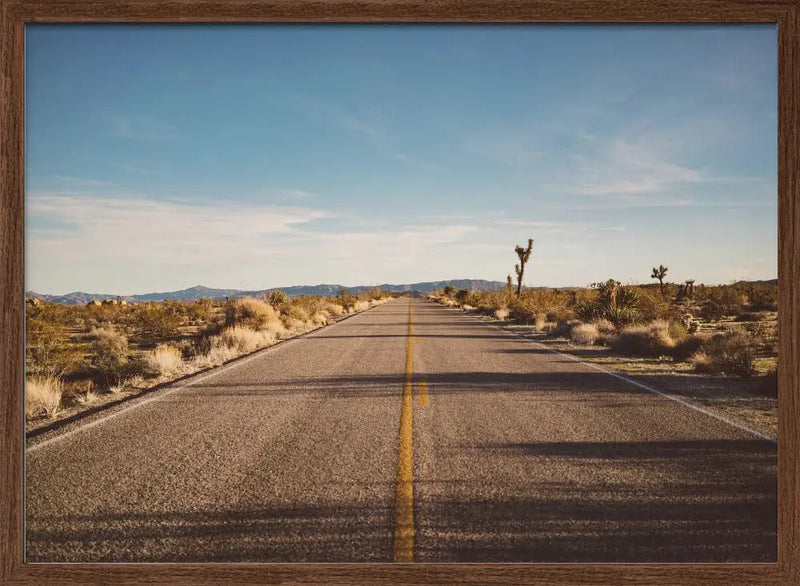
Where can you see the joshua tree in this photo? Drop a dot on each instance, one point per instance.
(524, 254)
(509, 284)
(659, 273)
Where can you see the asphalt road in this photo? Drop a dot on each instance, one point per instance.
(340, 446)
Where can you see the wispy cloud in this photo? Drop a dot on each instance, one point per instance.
(81, 182)
(626, 169)
(143, 128)
(156, 230)
(136, 169)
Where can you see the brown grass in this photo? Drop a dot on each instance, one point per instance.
(43, 396)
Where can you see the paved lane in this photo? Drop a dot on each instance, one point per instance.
(516, 454)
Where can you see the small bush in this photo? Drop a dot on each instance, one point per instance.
(652, 340)
(701, 361)
(109, 353)
(563, 329)
(278, 299)
(731, 353)
(677, 331)
(751, 316)
(43, 396)
(686, 348)
(157, 320)
(584, 334)
(252, 313)
(244, 339)
(605, 327)
(164, 360)
(501, 313)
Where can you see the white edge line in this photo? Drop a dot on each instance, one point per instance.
(160, 395)
(643, 386)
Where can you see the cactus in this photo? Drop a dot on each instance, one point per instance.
(524, 255)
(659, 273)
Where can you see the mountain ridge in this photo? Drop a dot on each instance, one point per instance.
(201, 291)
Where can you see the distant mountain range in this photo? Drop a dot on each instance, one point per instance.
(199, 291)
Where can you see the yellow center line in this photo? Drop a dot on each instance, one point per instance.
(422, 394)
(404, 505)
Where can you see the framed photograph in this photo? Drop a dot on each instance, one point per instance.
(399, 292)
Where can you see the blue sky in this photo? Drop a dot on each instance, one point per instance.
(252, 156)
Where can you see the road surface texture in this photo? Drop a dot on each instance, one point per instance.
(409, 432)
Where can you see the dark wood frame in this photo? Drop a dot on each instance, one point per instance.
(13, 15)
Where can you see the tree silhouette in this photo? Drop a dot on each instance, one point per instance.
(524, 254)
(659, 273)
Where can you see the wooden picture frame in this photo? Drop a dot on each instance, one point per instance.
(13, 16)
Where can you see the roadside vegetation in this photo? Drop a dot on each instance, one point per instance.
(717, 330)
(77, 356)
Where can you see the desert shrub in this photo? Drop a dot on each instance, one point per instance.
(522, 312)
(686, 348)
(48, 352)
(345, 299)
(155, 321)
(199, 310)
(617, 303)
(652, 305)
(763, 298)
(501, 313)
(721, 301)
(249, 312)
(109, 350)
(751, 316)
(334, 308)
(244, 339)
(361, 305)
(652, 340)
(298, 313)
(730, 353)
(604, 327)
(701, 361)
(585, 311)
(677, 331)
(42, 396)
(563, 329)
(554, 304)
(278, 299)
(584, 334)
(164, 360)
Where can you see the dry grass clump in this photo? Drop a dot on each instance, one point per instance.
(687, 348)
(604, 326)
(164, 360)
(652, 340)
(43, 396)
(252, 313)
(501, 313)
(109, 350)
(334, 309)
(561, 329)
(584, 334)
(244, 339)
(361, 305)
(731, 353)
(217, 353)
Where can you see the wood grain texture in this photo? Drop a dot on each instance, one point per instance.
(13, 15)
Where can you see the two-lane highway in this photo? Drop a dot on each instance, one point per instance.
(408, 432)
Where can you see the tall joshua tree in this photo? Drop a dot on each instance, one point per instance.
(659, 273)
(524, 254)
